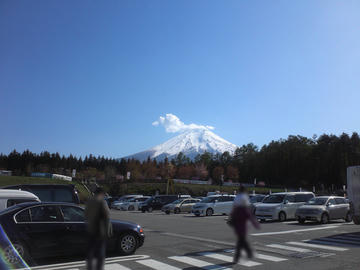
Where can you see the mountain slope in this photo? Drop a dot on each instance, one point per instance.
(191, 143)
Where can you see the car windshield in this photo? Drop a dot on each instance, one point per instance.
(274, 199)
(149, 200)
(177, 201)
(209, 199)
(317, 201)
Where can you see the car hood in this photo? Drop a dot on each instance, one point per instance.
(121, 225)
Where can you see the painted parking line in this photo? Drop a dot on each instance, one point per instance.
(157, 265)
(228, 259)
(302, 244)
(198, 263)
(295, 231)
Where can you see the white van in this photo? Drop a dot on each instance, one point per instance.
(216, 204)
(10, 197)
(282, 206)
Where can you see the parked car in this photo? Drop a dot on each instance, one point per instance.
(215, 204)
(323, 209)
(124, 198)
(9, 198)
(255, 200)
(282, 206)
(109, 200)
(51, 192)
(131, 204)
(180, 205)
(156, 202)
(39, 229)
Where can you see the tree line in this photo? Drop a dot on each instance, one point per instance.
(297, 161)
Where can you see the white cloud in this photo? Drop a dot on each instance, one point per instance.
(173, 124)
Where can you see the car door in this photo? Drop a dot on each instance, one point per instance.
(342, 207)
(74, 240)
(44, 231)
(186, 205)
(331, 208)
(290, 206)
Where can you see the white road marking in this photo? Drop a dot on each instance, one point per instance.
(115, 266)
(198, 263)
(260, 256)
(289, 248)
(294, 231)
(228, 259)
(199, 239)
(157, 265)
(302, 244)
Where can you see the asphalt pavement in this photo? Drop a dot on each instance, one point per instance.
(186, 242)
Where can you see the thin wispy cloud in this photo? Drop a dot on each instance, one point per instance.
(173, 124)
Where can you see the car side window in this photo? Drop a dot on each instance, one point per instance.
(74, 214)
(48, 213)
(23, 216)
(340, 201)
(301, 198)
(290, 198)
(331, 202)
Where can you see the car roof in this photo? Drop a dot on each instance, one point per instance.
(292, 193)
(11, 193)
(220, 195)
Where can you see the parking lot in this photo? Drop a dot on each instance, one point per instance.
(184, 241)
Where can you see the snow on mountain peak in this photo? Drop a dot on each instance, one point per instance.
(190, 143)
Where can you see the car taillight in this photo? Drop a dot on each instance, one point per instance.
(141, 230)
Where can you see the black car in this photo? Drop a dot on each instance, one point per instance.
(51, 192)
(41, 229)
(157, 202)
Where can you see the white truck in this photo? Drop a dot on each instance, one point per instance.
(353, 192)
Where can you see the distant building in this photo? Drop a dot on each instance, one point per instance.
(6, 173)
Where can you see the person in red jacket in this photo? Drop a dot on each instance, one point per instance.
(240, 216)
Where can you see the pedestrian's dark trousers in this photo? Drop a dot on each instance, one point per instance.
(242, 243)
(96, 254)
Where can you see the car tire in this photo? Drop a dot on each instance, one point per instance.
(150, 209)
(11, 256)
(282, 216)
(143, 210)
(176, 210)
(167, 212)
(324, 218)
(127, 244)
(348, 217)
(356, 219)
(131, 208)
(301, 220)
(209, 212)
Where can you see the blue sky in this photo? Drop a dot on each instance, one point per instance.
(92, 76)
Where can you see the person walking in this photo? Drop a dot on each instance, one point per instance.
(97, 216)
(240, 216)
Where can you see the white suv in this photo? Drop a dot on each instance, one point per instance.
(216, 204)
(282, 206)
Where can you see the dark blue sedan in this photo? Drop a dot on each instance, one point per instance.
(39, 230)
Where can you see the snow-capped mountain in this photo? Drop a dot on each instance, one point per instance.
(190, 143)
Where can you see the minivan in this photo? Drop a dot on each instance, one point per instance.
(282, 206)
(215, 204)
(50, 192)
(9, 198)
(157, 202)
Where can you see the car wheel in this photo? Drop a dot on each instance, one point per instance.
(177, 210)
(127, 244)
(356, 219)
(348, 217)
(131, 208)
(167, 212)
(301, 220)
(15, 253)
(209, 212)
(282, 216)
(324, 218)
(150, 209)
(143, 210)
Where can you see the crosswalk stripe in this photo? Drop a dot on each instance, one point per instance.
(228, 259)
(269, 258)
(302, 244)
(115, 266)
(261, 256)
(198, 263)
(157, 265)
(289, 248)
